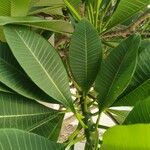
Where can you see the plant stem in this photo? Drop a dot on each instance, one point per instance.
(90, 132)
(98, 119)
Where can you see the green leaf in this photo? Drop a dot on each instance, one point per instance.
(22, 113)
(74, 7)
(139, 88)
(2, 36)
(138, 94)
(41, 62)
(85, 54)
(119, 115)
(125, 10)
(19, 8)
(5, 8)
(36, 22)
(140, 113)
(4, 88)
(116, 71)
(12, 139)
(133, 137)
(48, 3)
(12, 75)
(48, 10)
(142, 72)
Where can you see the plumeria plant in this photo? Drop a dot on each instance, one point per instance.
(88, 57)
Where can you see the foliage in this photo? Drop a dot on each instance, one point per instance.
(100, 50)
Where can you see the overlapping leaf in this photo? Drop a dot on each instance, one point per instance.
(4, 88)
(139, 88)
(12, 75)
(119, 115)
(116, 71)
(125, 10)
(36, 22)
(41, 62)
(47, 10)
(140, 113)
(74, 7)
(133, 137)
(21, 113)
(12, 139)
(85, 54)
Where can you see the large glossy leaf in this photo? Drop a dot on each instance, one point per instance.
(21, 113)
(12, 75)
(85, 54)
(36, 22)
(125, 10)
(19, 8)
(116, 71)
(139, 88)
(140, 113)
(133, 137)
(12, 139)
(40, 61)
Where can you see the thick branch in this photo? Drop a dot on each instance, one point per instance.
(130, 29)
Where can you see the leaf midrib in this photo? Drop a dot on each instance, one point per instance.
(85, 50)
(43, 121)
(24, 115)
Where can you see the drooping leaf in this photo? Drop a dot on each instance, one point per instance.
(12, 75)
(139, 88)
(19, 8)
(116, 71)
(85, 54)
(13, 139)
(41, 62)
(36, 22)
(125, 10)
(140, 113)
(133, 137)
(22, 113)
